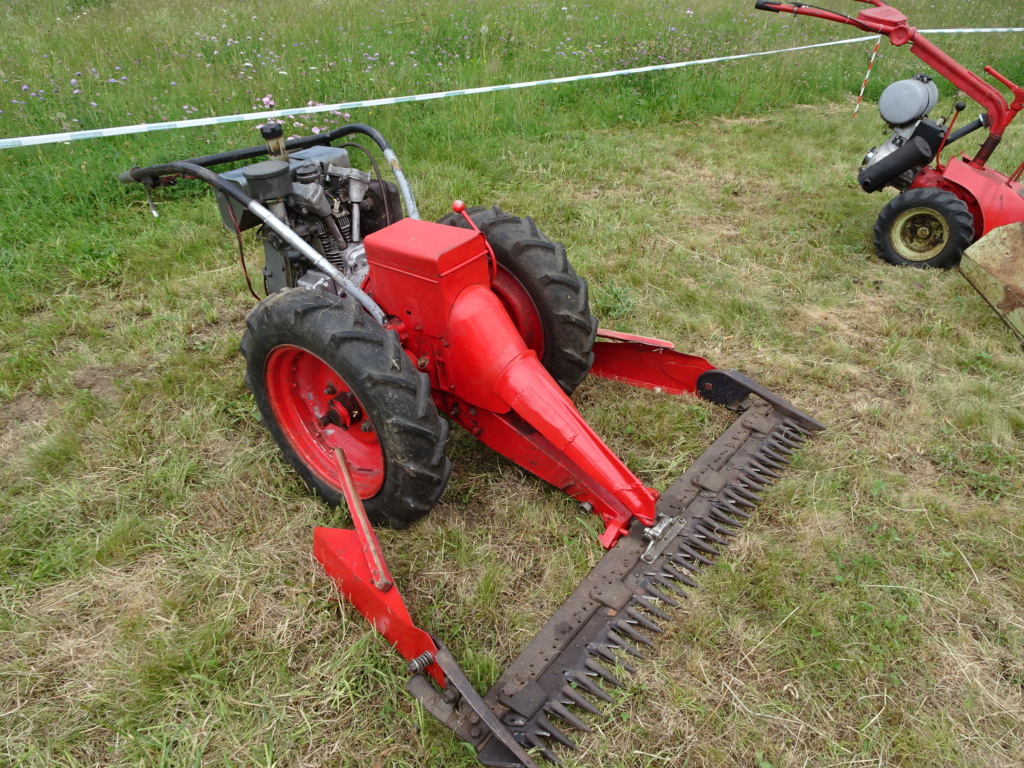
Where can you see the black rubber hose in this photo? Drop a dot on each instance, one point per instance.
(140, 175)
(914, 153)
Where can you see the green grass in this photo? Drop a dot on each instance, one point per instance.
(160, 606)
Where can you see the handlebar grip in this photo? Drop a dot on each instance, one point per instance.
(126, 177)
(764, 5)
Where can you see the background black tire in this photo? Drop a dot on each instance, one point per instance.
(924, 228)
(392, 395)
(545, 278)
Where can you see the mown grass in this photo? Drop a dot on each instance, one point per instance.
(160, 605)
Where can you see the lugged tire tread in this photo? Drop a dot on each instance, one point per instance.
(372, 362)
(559, 294)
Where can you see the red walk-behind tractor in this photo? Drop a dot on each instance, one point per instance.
(942, 207)
(376, 324)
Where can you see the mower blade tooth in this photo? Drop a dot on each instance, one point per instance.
(559, 710)
(606, 653)
(736, 499)
(626, 628)
(603, 673)
(656, 593)
(579, 700)
(794, 427)
(683, 562)
(651, 608)
(775, 442)
(664, 581)
(723, 518)
(758, 467)
(731, 508)
(643, 621)
(696, 542)
(709, 533)
(546, 753)
(554, 732)
(679, 575)
(752, 483)
(625, 645)
(772, 459)
(583, 681)
(787, 441)
(693, 554)
(739, 490)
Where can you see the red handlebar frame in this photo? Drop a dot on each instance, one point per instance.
(886, 20)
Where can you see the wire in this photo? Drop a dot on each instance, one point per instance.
(241, 252)
(376, 171)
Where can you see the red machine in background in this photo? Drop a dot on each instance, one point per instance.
(942, 207)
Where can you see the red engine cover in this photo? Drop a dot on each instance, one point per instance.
(417, 269)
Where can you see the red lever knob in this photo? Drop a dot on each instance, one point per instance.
(458, 206)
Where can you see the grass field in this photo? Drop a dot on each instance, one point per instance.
(160, 605)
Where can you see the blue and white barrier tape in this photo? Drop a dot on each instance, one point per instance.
(124, 130)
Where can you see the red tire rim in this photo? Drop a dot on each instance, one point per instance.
(318, 412)
(520, 307)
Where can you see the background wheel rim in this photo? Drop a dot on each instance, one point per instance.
(302, 390)
(919, 234)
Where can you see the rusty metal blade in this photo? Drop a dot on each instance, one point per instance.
(634, 582)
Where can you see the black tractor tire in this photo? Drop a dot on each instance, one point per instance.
(374, 403)
(541, 290)
(924, 228)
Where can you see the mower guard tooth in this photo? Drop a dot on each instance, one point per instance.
(643, 621)
(558, 709)
(535, 743)
(737, 499)
(788, 441)
(738, 489)
(691, 552)
(625, 627)
(772, 458)
(723, 518)
(581, 701)
(651, 607)
(778, 444)
(696, 542)
(556, 733)
(582, 679)
(759, 467)
(678, 575)
(656, 593)
(712, 534)
(666, 583)
(606, 652)
(601, 671)
(628, 647)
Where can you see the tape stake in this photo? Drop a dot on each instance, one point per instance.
(867, 74)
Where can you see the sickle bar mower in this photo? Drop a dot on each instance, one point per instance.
(376, 324)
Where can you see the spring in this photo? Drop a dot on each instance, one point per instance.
(421, 662)
(330, 246)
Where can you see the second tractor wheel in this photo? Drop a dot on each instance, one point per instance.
(924, 227)
(542, 293)
(324, 375)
